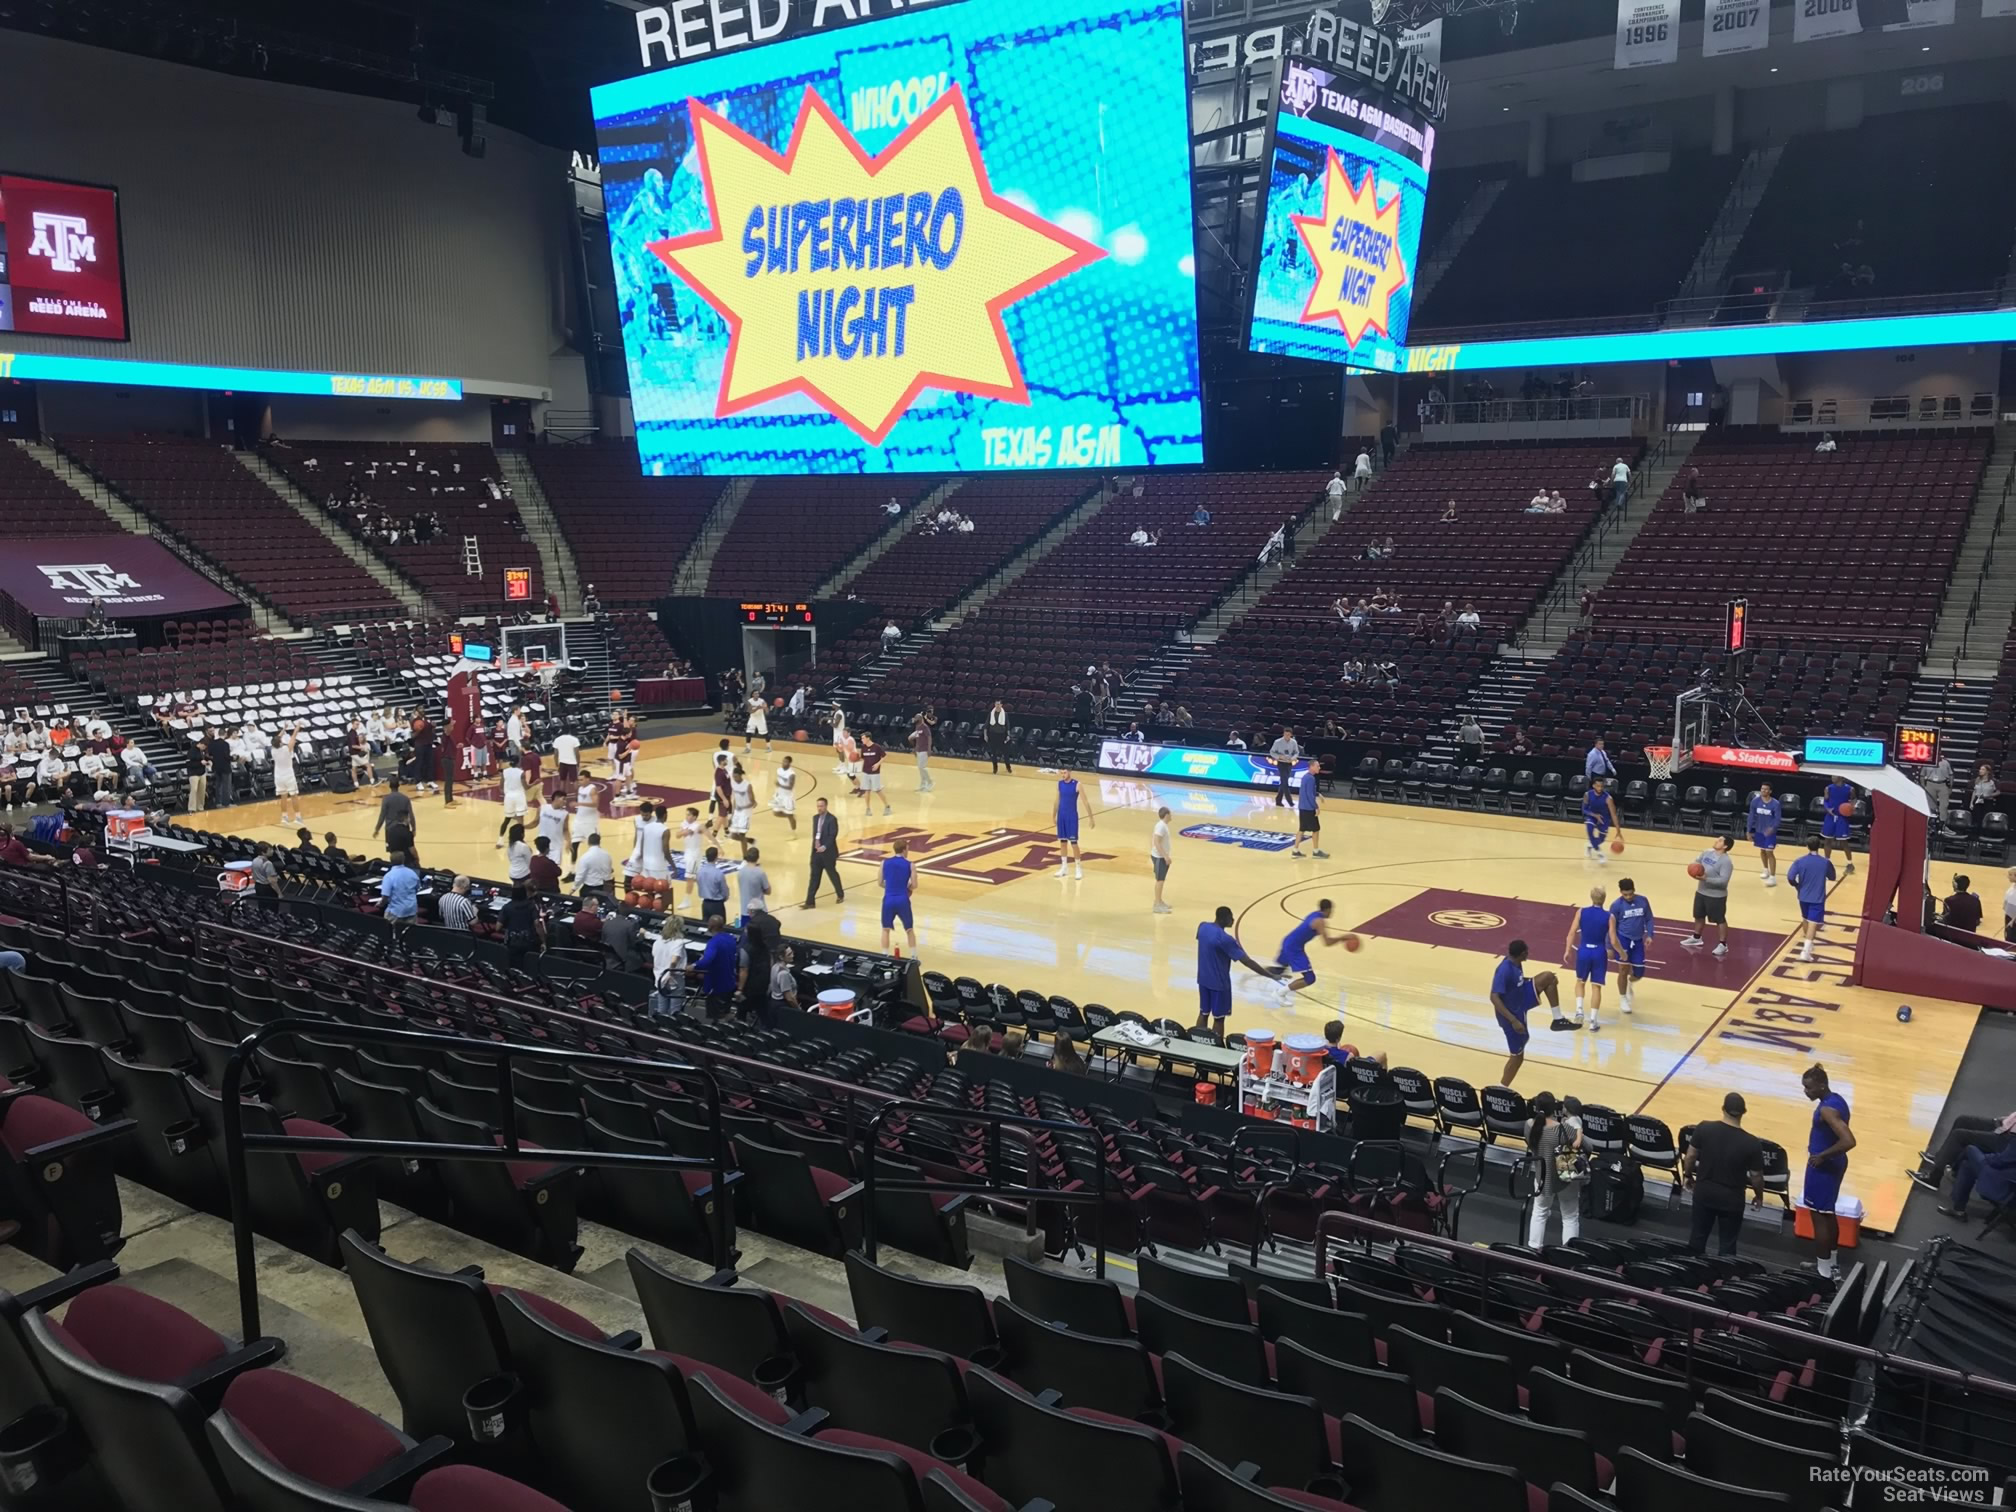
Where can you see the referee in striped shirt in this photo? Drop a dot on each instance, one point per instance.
(455, 909)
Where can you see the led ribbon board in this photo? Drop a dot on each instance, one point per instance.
(953, 239)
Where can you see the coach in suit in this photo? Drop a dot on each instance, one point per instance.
(825, 855)
(997, 736)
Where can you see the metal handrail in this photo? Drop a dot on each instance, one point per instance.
(238, 1144)
(1480, 1263)
(995, 1123)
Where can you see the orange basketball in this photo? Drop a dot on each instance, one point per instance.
(635, 745)
(1354, 942)
(800, 735)
(1616, 847)
(1847, 810)
(1696, 870)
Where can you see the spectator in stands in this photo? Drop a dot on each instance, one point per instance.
(1181, 718)
(331, 851)
(1691, 492)
(619, 936)
(1470, 740)
(1994, 1176)
(1962, 909)
(1064, 1056)
(1517, 744)
(1234, 741)
(524, 926)
(455, 910)
(1143, 537)
(1133, 734)
(982, 1039)
(1469, 621)
(1332, 730)
(1620, 481)
(1200, 516)
(1969, 1132)
(587, 924)
(1585, 610)
(139, 771)
(15, 853)
(1555, 1146)
(892, 507)
(304, 842)
(1448, 513)
(1361, 470)
(1827, 443)
(1389, 443)
(1538, 503)
(590, 604)
(1333, 492)
(891, 633)
(1981, 797)
(542, 871)
(1722, 1159)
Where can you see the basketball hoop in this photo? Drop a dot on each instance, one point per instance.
(1666, 763)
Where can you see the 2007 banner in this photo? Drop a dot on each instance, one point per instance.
(952, 239)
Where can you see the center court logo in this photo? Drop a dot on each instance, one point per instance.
(1466, 918)
(858, 280)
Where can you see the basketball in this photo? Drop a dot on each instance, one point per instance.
(1847, 810)
(1616, 847)
(1354, 942)
(800, 735)
(1696, 870)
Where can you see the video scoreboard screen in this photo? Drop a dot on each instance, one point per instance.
(1346, 187)
(953, 239)
(60, 267)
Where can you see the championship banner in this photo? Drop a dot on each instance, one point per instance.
(1648, 33)
(128, 576)
(1424, 42)
(1919, 14)
(953, 238)
(1817, 20)
(1998, 8)
(1734, 26)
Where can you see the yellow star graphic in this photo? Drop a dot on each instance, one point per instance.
(861, 281)
(1356, 244)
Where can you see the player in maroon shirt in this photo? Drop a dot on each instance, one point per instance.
(872, 752)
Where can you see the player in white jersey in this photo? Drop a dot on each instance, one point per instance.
(692, 836)
(286, 784)
(653, 857)
(513, 777)
(553, 825)
(587, 816)
(741, 801)
(784, 792)
(759, 724)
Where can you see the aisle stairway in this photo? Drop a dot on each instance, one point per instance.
(558, 569)
(698, 563)
(387, 576)
(1967, 641)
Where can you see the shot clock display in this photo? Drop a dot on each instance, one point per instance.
(776, 614)
(1915, 745)
(517, 585)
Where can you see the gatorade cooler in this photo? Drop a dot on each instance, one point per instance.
(1207, 1095)
(124, 824)
(1306, 1059)
(236, 877)
(837, 1004)
(1847, 1221)
(1260, 1052)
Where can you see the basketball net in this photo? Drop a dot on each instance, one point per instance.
(1665, 763)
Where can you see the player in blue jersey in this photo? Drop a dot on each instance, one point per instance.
(1513, 996)
(1809, 876)
(1827, 1150)
(1599, 817)
(1630, 933)
(1766, 814)
(1293, 955)
(1834, 821)
(899, 883)
(1587, 953)
(1217, 949)
(1069, 801)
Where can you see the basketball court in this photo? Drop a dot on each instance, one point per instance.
(1436, 893)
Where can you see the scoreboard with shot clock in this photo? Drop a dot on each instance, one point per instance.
(517, 585)
(776, 614)
(1915, 745)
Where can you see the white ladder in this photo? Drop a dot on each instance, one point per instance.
(472, 557)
